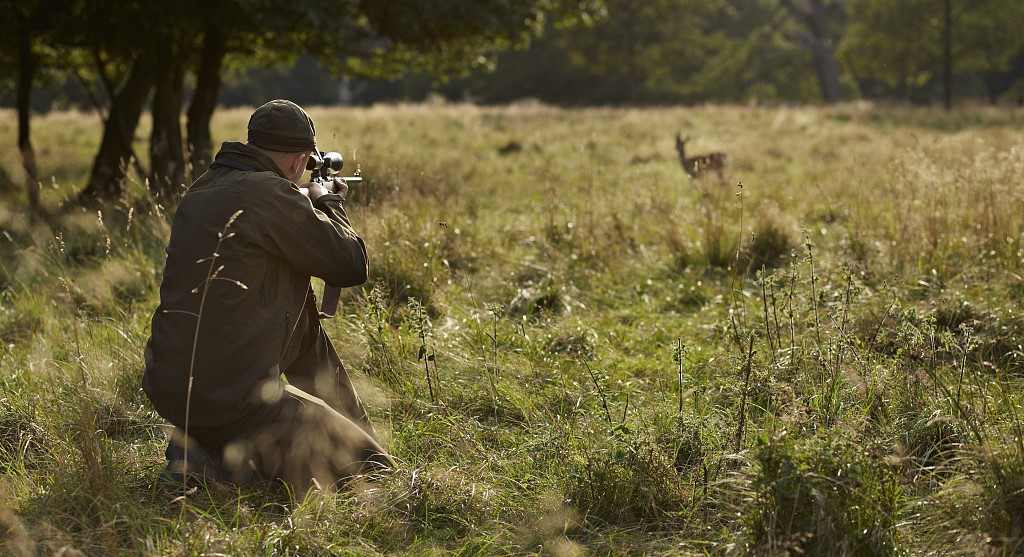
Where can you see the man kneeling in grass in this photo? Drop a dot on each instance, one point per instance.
(237, 311)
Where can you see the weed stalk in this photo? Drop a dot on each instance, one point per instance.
(743, 398)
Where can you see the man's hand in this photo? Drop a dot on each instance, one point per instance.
(340, 187)
(313, 190)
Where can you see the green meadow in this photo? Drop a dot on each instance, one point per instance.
(571, 346)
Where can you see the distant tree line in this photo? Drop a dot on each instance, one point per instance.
(685, 51)
(189, 56)
(672, 51)
(121, 57)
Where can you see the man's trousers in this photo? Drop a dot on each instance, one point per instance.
(312, 429)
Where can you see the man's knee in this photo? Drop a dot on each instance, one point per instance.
(311, 443)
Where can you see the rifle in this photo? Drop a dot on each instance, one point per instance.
(325, 167)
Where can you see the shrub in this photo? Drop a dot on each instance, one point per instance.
(628, 481)
(718, 249)
(21, 435)
(577, 345)
(446, 503)
(22, 321)
(770, 246)
(536, 300)
(931, 440)
(401, 282)
(950, 314)
(824, 497)
(1005, 493)
(687, 299)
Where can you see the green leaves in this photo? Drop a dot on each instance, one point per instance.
(900, 42)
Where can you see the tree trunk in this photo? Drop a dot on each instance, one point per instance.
(816, 37)
(166, 152)
(947, 54)
(204, 100)
(823, 53)
(991, 81)
(110, 165)
(27, 65)
(997, 83)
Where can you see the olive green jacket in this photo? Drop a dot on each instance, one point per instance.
(258, 286)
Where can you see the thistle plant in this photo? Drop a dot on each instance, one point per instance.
(598, 384)
(678, 355)
(420, 322)
(376, 328)
(734, 284)
(747, 368)
(496, 311)
(377, 305)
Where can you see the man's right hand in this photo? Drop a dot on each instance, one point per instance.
(313, 190)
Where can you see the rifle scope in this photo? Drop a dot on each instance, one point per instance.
(326, 162)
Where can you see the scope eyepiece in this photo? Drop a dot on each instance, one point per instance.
(327, 162)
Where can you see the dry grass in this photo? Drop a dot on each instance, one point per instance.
(880, 407)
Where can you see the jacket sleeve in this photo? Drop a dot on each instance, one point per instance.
(316, 239)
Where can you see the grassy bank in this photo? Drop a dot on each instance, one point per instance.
(824, 360)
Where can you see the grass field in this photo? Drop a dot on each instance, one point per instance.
(825, 360)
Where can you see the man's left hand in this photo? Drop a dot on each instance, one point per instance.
(340, 187)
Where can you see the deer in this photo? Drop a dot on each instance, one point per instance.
(697, 165)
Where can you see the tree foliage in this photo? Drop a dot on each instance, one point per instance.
(122, 58)
(899, 44)
(138, 50)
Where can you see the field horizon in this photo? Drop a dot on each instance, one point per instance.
(819, 354)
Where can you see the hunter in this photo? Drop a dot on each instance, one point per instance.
(219, 366)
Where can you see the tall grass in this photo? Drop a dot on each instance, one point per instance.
(574, 347)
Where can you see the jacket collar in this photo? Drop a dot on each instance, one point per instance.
(241, 156)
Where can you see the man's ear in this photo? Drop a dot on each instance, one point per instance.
(298, 165)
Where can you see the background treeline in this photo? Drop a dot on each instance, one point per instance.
(669, 51)
(119, 58)
(672, 51)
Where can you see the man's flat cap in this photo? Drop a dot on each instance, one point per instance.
(283, 126)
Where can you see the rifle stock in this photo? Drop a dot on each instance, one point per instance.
(329, 305)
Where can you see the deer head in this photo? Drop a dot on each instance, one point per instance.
(681, 145)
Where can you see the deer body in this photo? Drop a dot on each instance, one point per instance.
(697, 165)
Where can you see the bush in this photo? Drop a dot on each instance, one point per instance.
(537, 300)
(824, 497)
(446, 504)
(629, 481)
(21, 322)
(718, 249)
(769, 248)
(931, 440)
(1005, 493)
(950, 314)
(577, 345)
(402, 281)
(21, 435)
(687, 300)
